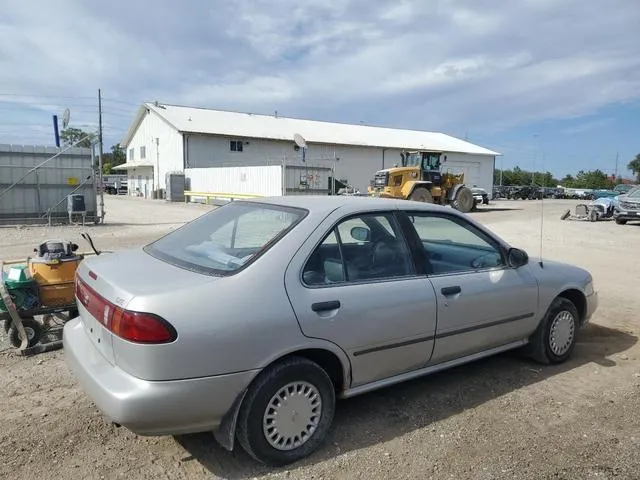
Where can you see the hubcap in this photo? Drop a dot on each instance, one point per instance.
(561, 334)
(292, 415)
(30, 333)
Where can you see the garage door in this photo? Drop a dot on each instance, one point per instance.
(471, 171)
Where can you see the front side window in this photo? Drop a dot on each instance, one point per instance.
(363, 248)
(227, 239)
(452, 245)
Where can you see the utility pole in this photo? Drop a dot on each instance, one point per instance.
(100, 156)
(616, 172)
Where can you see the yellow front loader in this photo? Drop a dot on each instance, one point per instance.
(420, 179)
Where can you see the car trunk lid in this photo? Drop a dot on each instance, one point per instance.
(111, 281)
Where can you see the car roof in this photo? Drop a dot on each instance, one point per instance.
(327, 203)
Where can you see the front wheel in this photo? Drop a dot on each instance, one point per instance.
(554, 339)
(421, 194)
(464, 200)
(287, 412)
(620, 221)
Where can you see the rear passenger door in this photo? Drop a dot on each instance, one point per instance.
(354, 284)
(482, 302)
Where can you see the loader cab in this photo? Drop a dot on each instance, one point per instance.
(427, 162)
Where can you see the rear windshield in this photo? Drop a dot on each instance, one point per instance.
(226, 239)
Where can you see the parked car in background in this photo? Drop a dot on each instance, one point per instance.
(115, 184)
(627, 207)
(480, 195)
(251, 320)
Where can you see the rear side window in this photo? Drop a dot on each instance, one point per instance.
(227, 239)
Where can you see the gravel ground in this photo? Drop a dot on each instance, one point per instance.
(503, 417)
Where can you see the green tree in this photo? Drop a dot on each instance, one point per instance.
(634, 166)
(116, 157)
(568, 181)
(72, 135)
(593, 179)
(517, 176)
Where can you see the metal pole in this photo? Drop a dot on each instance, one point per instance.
(100, 154)
(333, 174)
(284, 176)
(156, 174)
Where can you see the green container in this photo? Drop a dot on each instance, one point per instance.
(17, 277)
(18, 282)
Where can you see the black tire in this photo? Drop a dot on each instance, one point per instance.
(565, 215)
(540, 344)
(620, 221)
(421, 194)
(250, 431)
(464, 200)
(33, 329)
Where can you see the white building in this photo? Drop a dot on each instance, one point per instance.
(168, 138)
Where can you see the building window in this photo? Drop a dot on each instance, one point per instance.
(235, 145)
(143, 152)
(131, 151)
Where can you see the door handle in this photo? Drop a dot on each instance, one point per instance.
(324, 306)
(448, 291)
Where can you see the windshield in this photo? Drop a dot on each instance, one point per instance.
(227, 239)
(634, 193)
(413, 160)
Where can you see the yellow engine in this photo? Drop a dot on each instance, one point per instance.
(54, 269)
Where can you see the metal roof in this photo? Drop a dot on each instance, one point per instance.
(250, 125)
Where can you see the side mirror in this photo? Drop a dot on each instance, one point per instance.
(361, 234)
(517, 258)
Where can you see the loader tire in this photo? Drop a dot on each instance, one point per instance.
(421, 194)
(464, 200)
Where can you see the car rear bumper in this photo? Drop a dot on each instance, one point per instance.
(150, 407)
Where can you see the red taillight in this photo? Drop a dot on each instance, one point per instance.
(135, 327)
(141, 327)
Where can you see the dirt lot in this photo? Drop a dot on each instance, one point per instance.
(504, 417)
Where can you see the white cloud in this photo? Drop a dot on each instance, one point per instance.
(438, 64)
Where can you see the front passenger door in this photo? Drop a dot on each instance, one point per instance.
(482, 302)
(356, 287)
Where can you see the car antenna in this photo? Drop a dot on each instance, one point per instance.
(541, 191)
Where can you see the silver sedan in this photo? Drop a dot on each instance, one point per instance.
(251, 320)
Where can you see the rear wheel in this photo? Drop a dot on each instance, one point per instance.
(464, 200)
(421, 194)
(287, 412)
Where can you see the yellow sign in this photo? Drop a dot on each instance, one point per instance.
(72, 181)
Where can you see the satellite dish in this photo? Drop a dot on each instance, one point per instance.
(65, 118)
(300, 141)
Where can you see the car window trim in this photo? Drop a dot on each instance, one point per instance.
(416, 243)
(334, 228)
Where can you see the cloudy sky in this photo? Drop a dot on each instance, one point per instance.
(555, 82)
